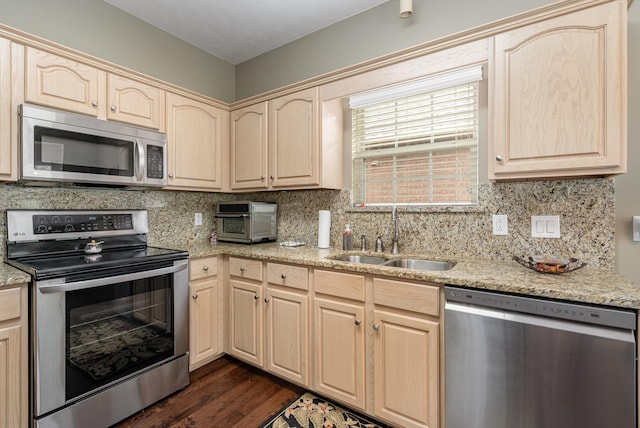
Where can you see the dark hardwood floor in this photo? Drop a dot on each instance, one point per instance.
(224, 393)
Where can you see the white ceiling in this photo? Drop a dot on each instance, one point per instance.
(238, 30)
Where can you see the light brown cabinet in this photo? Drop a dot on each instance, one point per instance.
(339, 337)
(11, 94)
(289, 142)
(205, 312)
(558, 96)
(196, 133)
(13, 357)
(63, 83)
(406, 353)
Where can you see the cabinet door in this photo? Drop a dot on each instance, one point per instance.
(62, 83)
(194, 138)
(294, 139)
(287, 335)
(203, 342)
(246, 322)
(134, 102)
(11, 91)
(339, 351)
(559, 94)
(249, 161)
(10, 377)
(406, 370)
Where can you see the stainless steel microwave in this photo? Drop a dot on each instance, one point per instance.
(57, 146)
(246, 222)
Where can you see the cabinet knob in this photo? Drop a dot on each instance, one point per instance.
(376, 327)
(271, 177)
(94, 103)
(242, 269)
(113, 108)
(256, 297)
(262, 178)
(358, 322)
(499, 158)
(205, 268)
(171, 175)
(266, 300)
(194, 297)
(283, 276)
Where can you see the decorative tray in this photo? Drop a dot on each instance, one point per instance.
(549, 264)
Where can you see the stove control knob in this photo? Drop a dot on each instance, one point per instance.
(42, 229)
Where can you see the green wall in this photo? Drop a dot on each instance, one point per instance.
(99, 29)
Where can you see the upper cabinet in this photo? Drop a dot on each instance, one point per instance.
(558, 96)
(11, 93)
(197, 132)
(289, 142)
(59, 82)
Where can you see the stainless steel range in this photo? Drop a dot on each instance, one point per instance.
(108, 314)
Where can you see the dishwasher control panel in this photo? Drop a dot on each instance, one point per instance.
(606, 316)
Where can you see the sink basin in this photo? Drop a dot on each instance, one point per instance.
(419, 264)
(372, 260)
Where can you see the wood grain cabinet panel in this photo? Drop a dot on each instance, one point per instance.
(559, 96)
(134, 102)
(249, 148)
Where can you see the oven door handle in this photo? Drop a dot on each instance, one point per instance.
(233, 215)
(58, 285)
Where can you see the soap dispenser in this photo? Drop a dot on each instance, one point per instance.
(347, 239)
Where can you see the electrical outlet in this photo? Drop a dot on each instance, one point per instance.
(198, 219)
(500, 224)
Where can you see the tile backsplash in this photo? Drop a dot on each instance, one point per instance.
(586, 209)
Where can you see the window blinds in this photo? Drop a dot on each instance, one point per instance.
(419, 148)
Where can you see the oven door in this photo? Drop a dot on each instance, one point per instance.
(93, 332)
(234, 227)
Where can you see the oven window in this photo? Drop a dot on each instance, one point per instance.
(115, 330)
(233, 225)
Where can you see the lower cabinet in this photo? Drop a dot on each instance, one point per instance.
(205, 316)
(268, 317)
(13, 357)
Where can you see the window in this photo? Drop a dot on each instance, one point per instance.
(417, 143)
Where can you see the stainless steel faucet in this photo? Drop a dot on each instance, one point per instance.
(363, 242)
(396, 231)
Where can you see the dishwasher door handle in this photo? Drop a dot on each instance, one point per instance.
(541, 321)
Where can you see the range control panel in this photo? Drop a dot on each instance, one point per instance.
(81, 223)
(40, 225)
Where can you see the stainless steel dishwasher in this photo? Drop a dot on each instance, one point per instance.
(521, 362)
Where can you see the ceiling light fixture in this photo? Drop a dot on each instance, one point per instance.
(406, 8)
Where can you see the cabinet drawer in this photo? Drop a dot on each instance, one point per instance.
(287, 275)
(405, 295)
(9, 304)
(339, 284)
(202, 268)
(245, 268)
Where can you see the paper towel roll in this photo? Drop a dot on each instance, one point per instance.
(324, 229)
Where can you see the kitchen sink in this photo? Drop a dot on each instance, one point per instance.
(419, 264)
(371, 260)
(406, 263)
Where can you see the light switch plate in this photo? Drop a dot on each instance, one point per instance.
(198, 219)
(636, 228)
(545, 226)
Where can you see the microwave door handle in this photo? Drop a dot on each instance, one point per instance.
(139, 160)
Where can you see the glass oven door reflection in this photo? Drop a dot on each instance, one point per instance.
(115, 330)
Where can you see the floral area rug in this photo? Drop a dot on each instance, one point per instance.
(112, 345)
(309, 411)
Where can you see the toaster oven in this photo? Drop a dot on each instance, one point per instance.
(246, 222)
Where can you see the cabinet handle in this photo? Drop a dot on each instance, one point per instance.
(266, 300)
(195, 296)
(256, 297)
(499, 158)
(358, 322)
(205, 268)
(113, 108)
(376, 327)
(94, 103)
(242, 269)
(283, 276)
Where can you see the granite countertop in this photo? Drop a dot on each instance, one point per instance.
(586, 285)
